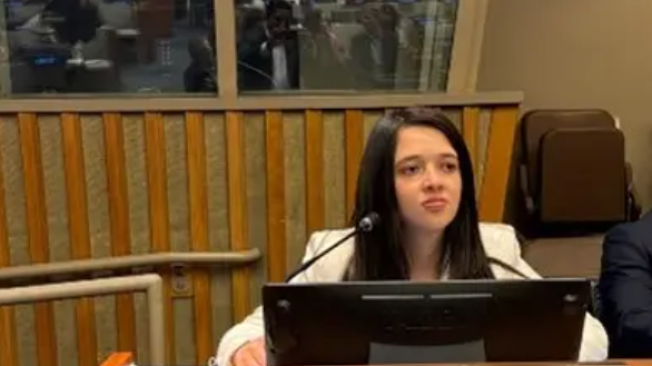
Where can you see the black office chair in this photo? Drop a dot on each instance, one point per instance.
(594, 308)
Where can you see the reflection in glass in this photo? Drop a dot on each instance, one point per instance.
(338, 45)
(109, 46)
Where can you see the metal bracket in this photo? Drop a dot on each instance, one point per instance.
(180, 281)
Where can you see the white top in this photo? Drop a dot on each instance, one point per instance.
(499, 241)
(280, 68)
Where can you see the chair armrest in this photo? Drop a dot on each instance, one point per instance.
(633, 199)
(525, 190)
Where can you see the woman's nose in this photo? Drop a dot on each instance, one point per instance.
(431, 179)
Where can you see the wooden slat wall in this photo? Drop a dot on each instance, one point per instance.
(79, 231)
(158, 210)
(37, 230)
(275, 173)
(314, 171)
(120, 239)
(198, 201)
(8, 339)
(281, 142)
(354, 144)
(236, 176)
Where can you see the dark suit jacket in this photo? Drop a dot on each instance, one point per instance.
(625, 289)
(255, 65)
(367, 73)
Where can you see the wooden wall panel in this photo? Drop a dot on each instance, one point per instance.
(155, 157)
(275, 172)
(498, 164)
(198, 205)
(354, 144)
(295, 187)
(79, 231)
(119, 223)
(218, 228)
(256, 192)
(94, 157)
(37, 226)
(193, 182)
(314, 135)
(335, 214)
(14, 199)
(8, 339)
(59, 235)
(177, 179)
(236, 176)
(470, 124)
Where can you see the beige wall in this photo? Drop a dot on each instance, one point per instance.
(574, 54)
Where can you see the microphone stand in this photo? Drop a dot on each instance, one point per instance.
(367, 224)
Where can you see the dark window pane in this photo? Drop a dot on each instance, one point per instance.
(110, 46)
(344, 45)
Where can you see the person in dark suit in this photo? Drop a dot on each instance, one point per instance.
(625, 289)
(201, 73)
(268, 55)
(374, 51)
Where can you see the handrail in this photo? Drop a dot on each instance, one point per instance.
(152, 284)
(128, 262)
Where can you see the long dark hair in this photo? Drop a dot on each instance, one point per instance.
(379, 255)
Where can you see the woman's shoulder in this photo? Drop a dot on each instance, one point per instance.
(323, 239)
(500, 241)
(332, 266)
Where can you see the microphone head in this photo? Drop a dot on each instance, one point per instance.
(369, 222)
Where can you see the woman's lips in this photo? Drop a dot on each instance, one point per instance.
(434, 204)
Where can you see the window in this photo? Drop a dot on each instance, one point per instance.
(340, 45)
(109, 46)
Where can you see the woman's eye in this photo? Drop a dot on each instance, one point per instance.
(450, 167)
(410, 169)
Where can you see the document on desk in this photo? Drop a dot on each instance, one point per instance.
(380, 353)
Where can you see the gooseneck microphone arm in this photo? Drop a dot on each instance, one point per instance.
(367, 224)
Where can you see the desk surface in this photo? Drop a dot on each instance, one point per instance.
(126, 359)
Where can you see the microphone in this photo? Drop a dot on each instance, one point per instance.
(365, 225)
(506, 266)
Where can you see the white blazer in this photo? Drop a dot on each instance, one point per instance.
(499, 241)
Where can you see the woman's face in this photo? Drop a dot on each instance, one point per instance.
(427, 179)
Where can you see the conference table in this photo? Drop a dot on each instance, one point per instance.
(126, 359)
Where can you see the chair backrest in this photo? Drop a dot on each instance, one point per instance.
(583, 176)
(536, 123)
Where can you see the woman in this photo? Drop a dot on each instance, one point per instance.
(417, 175)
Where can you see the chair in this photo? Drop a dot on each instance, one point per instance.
(574, 169)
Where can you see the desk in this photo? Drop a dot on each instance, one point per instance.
(120, 359)
(126, 359)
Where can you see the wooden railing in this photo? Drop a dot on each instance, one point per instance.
(151, 284)
(82, 183)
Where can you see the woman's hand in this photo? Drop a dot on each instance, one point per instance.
(251, 354)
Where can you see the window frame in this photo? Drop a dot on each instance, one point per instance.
(465, 59)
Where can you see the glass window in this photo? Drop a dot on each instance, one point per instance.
(338, 45)
(108, 46)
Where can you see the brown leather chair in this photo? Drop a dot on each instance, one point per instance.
(574, 168)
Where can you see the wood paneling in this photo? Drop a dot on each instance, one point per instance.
(470, 125)
(120, 239)
(314, 171)
(275, 170)
(37, 230)
(80, 246)
(8, 339)
(198, 201)
(236, 177)
(158, 211)
(354, 144)
(498, 164)
(295, 148)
